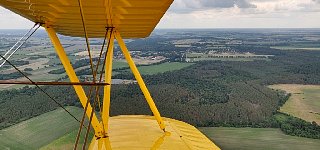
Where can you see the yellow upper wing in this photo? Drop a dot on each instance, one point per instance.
(132, 18)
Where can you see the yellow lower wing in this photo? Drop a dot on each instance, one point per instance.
(142, 133)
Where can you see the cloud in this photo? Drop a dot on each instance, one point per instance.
(317, 1)
(188, 6)
(281, 8)
(243, 14)
(220, 14)
(245, 6)
(10, 20)
(226, 3)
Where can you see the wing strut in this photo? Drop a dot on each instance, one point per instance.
(108, 75)
(104, 142)
(101, 126)
(73, 78)
(140, 81)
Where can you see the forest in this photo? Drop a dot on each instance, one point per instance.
(208, 93)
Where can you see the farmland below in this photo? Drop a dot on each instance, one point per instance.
(39, 131)
(304, 101)
(63, 131)
(160, 68)
(257, 138)
(225, 92)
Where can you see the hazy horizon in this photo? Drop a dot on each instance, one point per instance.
(317, 28)
(204, 14)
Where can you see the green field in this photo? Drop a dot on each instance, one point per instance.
(258, 139)
(312, 97)
(119, 64)
(67, 141)
(164, 67)
(57, 130)
(304, 101)
(39, 131)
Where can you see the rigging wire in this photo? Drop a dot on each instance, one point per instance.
(87, 39)
(97, 67)
(54, 83)
(43, 91)
(97, 90)
(103, 66)
(18, 41)
(90, 92)
(91, 67)
(19, 46)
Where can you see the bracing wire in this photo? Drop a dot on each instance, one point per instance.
(90, 92)
(54, 83)
(102, 70)
(19, 46)
(87, 39)
(18, 41)
(97, 67)
(91, 67)
(97, 92)
(43, 91)
(92, 70)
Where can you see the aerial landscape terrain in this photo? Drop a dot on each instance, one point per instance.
(242, 88)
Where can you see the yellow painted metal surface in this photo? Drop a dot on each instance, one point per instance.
(140, 81)
(130, 19)
(141, 133)
(107, 89)
(133, 132)
(73, 78)
(133, 18)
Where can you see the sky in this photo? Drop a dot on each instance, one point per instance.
(220, 14)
